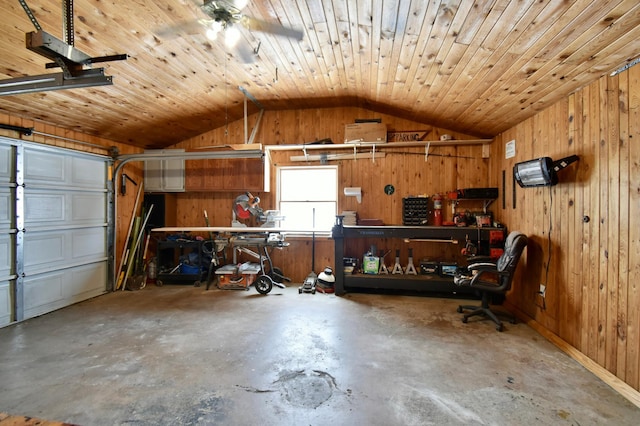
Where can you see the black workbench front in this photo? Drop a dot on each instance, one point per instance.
(423, 283)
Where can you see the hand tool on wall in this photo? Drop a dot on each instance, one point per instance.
(123, 183)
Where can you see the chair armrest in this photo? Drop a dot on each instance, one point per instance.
(484, 266)
(489, 278)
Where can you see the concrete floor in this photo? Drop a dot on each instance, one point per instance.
(181, 355)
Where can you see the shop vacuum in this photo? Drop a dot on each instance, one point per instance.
(326, 280)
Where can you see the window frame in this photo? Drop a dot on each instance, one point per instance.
(279, 200)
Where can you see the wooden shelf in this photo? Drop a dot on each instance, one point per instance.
(377, 145)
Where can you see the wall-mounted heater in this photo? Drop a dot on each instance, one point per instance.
(540, 171)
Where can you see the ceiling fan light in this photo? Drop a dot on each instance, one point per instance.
(213, 31)
(231, 36)
(241, 4)
(211, 34)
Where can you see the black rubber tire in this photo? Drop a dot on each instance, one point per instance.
(459, 309)
(499, 327)
(263, 284)
(464, 320)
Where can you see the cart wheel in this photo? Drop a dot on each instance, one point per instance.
(264, 284)
(159, 283)
(459, 309)
(313, 290)
(499, 327)
(197, 284)
(464, 320)
(299, 290)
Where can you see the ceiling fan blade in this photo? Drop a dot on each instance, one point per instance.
(184, 28)
(269, 27)
(245, 53)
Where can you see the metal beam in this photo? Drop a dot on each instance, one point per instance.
(53, 48)
(54, 81)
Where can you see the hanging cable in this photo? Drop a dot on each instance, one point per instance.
(226, 97)
(549, 246)
(543, 290)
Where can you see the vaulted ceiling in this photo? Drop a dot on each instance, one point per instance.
(477, 67)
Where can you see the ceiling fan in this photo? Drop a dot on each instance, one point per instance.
(225, 17)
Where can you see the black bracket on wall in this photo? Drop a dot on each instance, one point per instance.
(27, 131)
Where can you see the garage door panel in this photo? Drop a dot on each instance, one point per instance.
(47, 168)
(7, 243)
(86, 281)
(42, 290)
(88, 244)
(43, 207)
(7, 240)
(46, 292)
(6, 207)
(5, 303)
(64, 208)
(44, 251)
(88, 208)
(88, 173)
(6, 163)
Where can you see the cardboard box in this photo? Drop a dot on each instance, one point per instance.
(365, 132)
(237, 276)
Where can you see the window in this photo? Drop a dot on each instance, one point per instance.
(308, 195)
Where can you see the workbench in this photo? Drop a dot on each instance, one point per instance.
(170, 253)
(430, 234)
(242, 239)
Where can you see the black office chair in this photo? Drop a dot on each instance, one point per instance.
(492, 279)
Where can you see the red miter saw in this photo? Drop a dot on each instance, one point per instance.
(246, 207)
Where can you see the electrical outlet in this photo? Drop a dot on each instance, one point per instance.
(542, 289)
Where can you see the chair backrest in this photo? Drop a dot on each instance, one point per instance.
(513, 248)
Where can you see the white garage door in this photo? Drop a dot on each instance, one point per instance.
(58, 235)
(7, 233)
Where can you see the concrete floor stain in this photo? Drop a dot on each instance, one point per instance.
(304, 388)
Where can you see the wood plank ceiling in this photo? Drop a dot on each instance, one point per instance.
(477, 67)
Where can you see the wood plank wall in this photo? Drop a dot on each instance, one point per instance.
(65, 139)
(585, 230)
(405, 168)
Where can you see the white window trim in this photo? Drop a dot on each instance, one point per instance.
(278, 192)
